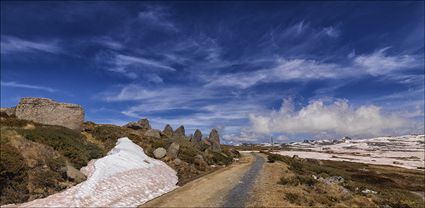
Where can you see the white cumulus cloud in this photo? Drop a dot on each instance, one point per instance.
(336, 118)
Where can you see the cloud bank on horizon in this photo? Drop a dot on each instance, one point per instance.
(287, 69)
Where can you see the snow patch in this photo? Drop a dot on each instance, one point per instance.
(126, 177)
(402, 151)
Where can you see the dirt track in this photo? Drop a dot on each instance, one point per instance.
(211, 190)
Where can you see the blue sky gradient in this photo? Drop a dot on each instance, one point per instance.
(251, 70)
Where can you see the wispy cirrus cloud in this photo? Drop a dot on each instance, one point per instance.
(132, 66)
(378, 63)
(27, 86)
(108, 42)
(196, 107)
(375, 64)
(11, 44)
(332, 31)
(157, 16)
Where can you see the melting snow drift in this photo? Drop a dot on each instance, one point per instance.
(402, 151)
(126, 177)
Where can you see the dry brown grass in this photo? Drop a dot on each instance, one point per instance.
(286, 184)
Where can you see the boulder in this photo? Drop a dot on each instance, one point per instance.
(214, 139)
(142, 124)
(159, 152)
(177, 161)
(180, 133)
(332, 180)
(47, 111)
(168, 131)
(200, 163)
(74, 174)
(8, 111)
(173, 150)
(153, 133)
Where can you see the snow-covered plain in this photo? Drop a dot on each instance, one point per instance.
(402, 151)
(126, 177)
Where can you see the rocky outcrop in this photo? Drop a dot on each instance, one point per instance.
(214, 139)
(173, 150)
(142, 124)
(47, 111)
(168, 131)
(8, 111)
(197, 137)
(180, 133)
(159, 152)
(154, 133)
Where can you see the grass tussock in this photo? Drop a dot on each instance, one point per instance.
(69, 143)
(13, 175)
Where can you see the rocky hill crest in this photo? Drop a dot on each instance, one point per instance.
(48, 111)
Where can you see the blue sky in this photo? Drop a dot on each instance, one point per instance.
(251, 70)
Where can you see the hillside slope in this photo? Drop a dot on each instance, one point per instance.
(38, 160)
(126, 177)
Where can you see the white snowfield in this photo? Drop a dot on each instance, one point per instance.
(402, 151)
(126, 177)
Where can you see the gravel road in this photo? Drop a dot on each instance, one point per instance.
(239, 195)
(218, 189)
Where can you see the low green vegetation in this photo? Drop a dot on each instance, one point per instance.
(11, 121)
(187, 153)
(38, 168)
(109, 134)
(69, 143)
(221, 158)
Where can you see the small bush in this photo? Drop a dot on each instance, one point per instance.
(272, 158)
(297, 180)
(11, 121)
(296, 165)
(221, 158)
(293, 198)
(157, 143)
(187, 153)
(231, 152)
(288, 181)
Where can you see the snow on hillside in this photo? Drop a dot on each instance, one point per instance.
(403, 151)
(126, 177)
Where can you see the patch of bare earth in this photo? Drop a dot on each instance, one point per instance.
(208, 191)
(266, 191)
